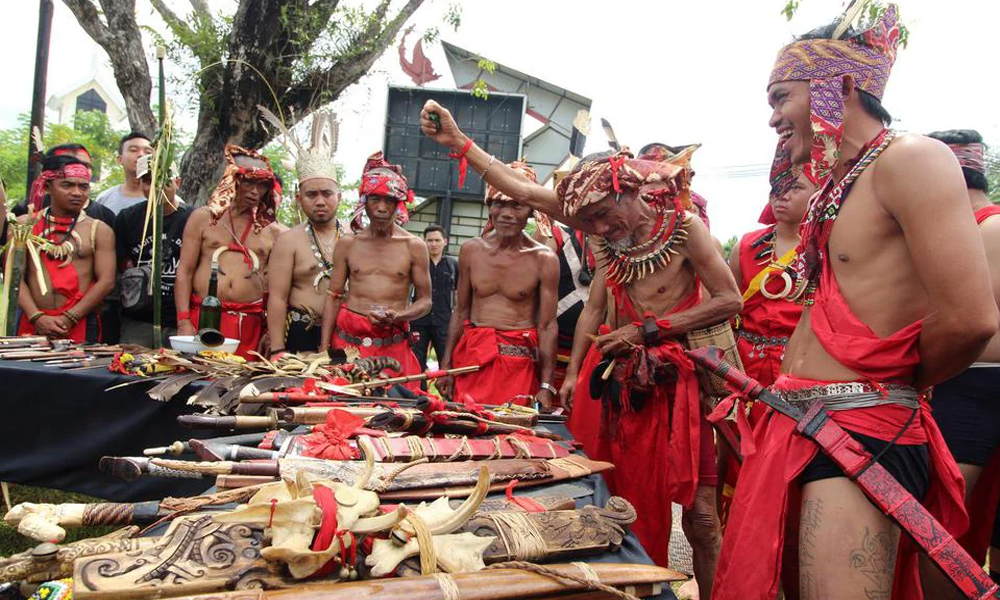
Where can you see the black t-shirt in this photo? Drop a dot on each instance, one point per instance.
(128, 233)
(444, 281)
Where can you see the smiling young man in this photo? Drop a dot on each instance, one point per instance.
(301, 262)
(237, 229)
(897, 286)
(505, 317)
(380, 262)
(656, 257)
(78, 264)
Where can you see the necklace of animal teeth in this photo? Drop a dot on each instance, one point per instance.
(325, 266)
(65, 247)
(625, 265)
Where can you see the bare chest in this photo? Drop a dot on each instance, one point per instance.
(662, 290)
(513, 278)
(379, 258)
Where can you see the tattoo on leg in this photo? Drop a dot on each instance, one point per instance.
(811, 512)
(876, 560)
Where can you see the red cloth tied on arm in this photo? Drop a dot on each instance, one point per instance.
(463, 161)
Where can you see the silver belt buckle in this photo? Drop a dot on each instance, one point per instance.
(366, 342)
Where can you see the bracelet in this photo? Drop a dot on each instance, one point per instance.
(488, 165)
(183, 315)
(35, 316)
(550, 388)
(336, 295)
(72, 316)
(463, 161)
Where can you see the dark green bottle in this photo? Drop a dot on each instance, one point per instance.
(210, 316)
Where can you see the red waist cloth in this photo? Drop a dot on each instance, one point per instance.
(986, 212)
(243, 321)
(359, 326)
(657, 451)
(853, 344)
(64, 281)
(750, 562)
(502, 377)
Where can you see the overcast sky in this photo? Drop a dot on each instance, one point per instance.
(677, 72)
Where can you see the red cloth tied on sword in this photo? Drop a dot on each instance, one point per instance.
(657, 450)
(750, 562)
(507, 365)
(243, 321)
(350, 325)
(65, 281)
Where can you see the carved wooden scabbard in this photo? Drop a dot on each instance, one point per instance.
(131, 468)
(47, 562)
(493, 584)
(553, 535)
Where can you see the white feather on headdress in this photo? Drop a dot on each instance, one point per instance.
(316, 160)
(36, 138)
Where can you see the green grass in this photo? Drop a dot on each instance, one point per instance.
(11, 542)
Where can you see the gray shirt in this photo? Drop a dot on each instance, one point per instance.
(115, 200)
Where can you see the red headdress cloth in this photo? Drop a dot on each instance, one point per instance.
(657, 182)
(222, 198)
(542, 220)
(37, 194)
(380, 178)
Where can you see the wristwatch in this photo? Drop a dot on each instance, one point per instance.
(551, 388)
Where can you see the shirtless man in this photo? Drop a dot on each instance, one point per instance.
(78, 265)
(965, 406)
(895, 271)
(300, 266)
(661, 445)
(505, 317)
(380, 263)
(238, 229)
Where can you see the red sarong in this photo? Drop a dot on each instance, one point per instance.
(507, 367)
(65, 281)
(986, 212)
(750, 562)
(357, 326)
(585, 417)
(657, 450)
(243, 321)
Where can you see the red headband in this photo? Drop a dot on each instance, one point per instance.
(970, 156)
(75, 171)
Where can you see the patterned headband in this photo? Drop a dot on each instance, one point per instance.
(970, 156)
(225, 193)
(867, 57)
(75, 170)
(381, 178)
(601, 178)
(542, 220)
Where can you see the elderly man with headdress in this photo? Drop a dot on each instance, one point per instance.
(965, 406)
(237, 231)
(302, 259)
(380, 263)
(656, 258)
(898, 299)
(76, 256)
(505, 315)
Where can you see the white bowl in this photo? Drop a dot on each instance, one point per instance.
(190, 344)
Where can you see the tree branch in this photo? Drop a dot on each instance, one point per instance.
(359, 58)
(319, 12)
(175, 23)
(87, 16)
(201, 8)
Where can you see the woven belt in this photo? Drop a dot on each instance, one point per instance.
(762, 340)
(368, 342)
(853, 394)
(515, 350)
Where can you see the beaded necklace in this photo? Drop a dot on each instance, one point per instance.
(325, 266)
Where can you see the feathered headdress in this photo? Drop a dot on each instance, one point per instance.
(316, 160)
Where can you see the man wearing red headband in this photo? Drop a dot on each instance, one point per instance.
(505, 317)
(965, 406)
(76, 257)
(380, 263)
(897, 297)
(237, 230)
(656, 256)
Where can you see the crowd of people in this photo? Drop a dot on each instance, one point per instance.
(867, 289)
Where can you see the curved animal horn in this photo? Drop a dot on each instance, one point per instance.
(381, 522)
(468, 508)
(365, 446)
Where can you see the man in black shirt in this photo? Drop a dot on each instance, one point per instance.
(137, 305)
(433, 327)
